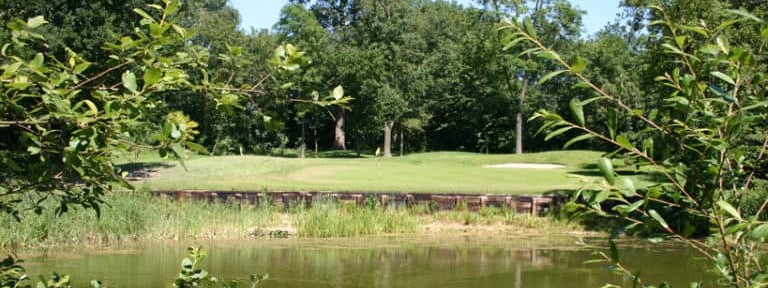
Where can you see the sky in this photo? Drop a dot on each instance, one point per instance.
(261, 14)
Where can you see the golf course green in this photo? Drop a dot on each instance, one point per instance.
(436, 172)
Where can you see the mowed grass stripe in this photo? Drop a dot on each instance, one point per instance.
(439, 172)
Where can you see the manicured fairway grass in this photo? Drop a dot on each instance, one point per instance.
(438, 172)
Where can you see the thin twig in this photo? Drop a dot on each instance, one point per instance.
(759, 157)
(24, 122)
(97, 76)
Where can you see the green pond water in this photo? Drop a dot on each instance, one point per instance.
(415, 261)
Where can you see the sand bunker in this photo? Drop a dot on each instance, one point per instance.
(525, 166)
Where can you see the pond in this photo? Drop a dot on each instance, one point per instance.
(415, 261)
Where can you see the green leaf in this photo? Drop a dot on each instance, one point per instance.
(611, 122)
(175, 133)
(578, 110)
(593, 261)
(680, 41)
(33, 150)
(513, 42)
(764, 34)
(178, 153)
(197, 148)
(727, 207)
(579, 65)
(180, 30)
(635, 205)
(156, 7)
(723, 77)
(186, 264)
(726, 24)
(553, 117)
(606, 169)
(172, 6)
(38, 61)
(655, 215)
(576, 139)
(628, 187)
(600, 197)
(710, 49)
(35, 22)
(549, 55)
(581, 84)
(624, 142)
(550, 76)
(152, 76)
(648, 146)
(129, 81)
(760, 232)
(529, 51)
(92, 106)
(80, 67)
(338, 92)
(721, 45)
(557, 132)
(746, 15)
(590, 100)
(614, 251)
(529, 28)
(144, 15)
(695, 29)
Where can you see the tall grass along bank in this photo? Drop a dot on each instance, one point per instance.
(132, 217)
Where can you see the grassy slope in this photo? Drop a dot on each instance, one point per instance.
(448, 172)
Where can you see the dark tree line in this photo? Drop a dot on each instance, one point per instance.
(424, 75)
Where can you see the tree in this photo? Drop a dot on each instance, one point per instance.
(81, 26)
(558, 23)
(337, 16)
(61, 126)
(711, 95)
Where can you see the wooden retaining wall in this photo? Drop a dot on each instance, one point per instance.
(533, 204)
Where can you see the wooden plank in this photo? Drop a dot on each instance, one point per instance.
(534, 204)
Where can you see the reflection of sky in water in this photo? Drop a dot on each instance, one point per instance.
(427, 261)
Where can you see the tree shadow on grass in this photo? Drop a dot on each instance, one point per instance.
(141, 170)
(338, 154)
(349, 154)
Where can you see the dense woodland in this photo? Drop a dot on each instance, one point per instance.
(424, 75)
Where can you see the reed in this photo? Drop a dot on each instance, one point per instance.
(132, 217)
(330, 219)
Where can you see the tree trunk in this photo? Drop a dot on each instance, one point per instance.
(302, 140)
(357, 143)
(519, 124)
(510, 76)
(340, 139)
(315, 138)
(388, 138)
(402, 139)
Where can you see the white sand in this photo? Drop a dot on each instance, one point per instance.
(525, 166)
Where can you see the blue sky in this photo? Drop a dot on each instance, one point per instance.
(264, 13)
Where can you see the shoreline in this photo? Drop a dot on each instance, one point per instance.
(445, 226)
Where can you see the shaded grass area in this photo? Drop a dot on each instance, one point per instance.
(438, 172)
(136, 217)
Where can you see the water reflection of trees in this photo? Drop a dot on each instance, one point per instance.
(426, 265)
(391, 265)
